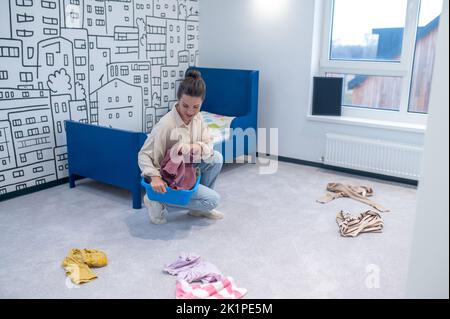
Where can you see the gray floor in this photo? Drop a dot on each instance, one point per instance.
(276, 241)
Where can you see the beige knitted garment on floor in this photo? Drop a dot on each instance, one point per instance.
(352, 226)
(359, 193)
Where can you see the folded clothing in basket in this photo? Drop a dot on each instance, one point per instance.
(177, 173)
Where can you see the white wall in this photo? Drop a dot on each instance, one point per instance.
(235, 34)
(429, 268)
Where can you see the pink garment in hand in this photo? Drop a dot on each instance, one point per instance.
(176, 172)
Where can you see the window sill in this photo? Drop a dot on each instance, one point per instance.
(345, 120)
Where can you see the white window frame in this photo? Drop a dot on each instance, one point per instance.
(403, 68)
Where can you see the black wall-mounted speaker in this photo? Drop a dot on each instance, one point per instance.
(327, 96)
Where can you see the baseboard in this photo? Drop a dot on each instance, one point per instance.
(36, 188)
(345, 170)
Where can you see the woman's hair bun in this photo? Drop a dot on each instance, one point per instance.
(193, 74)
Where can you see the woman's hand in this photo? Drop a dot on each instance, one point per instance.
(183, 149)
(158, 184)
(196, 151)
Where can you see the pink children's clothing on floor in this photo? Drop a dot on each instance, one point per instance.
(222, 289)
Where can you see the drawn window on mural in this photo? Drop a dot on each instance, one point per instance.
(2, 178)
(46, 129)
(50, 31)
(80, 44)
(17, 122)
(64, 107)
(47, 20)
(23, 158)
(99, 22)
(18, 134)
(59, 127)
(30, 52)
(166, 85)
(38, 169)
(40, 181)
(26, 77)
(137, 79)
(48, 4)
(117, 99)
(24, 18)
(21, 186)
(3, 75)
(44, 118)
(56, 107)
(130, 114)
(39, 154)
(66, 59)
(80, 60)
(50, 59)
(24, 33)
(89, 21)
(124, 70)
(99, 10)
(109, 99)
(24, 3)
(126, 8)
(30, 120)
(9, 52)
(18, 173)
(129, 98)
(117, 115)
(33, 131)
(110, 116)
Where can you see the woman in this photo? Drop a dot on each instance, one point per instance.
(183, 127)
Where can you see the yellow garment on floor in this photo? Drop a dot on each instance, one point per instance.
(78, 261)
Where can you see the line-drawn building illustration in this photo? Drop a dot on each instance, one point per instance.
(115, 63)
(28, 158)
(32, 21)
(119, 105)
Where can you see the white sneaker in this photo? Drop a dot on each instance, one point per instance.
(156, 211)
(212, 214)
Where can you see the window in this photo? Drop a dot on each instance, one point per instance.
(24, 18)
(3, 75)
(26, 77)
(50, 59)
(49, 31)
(24, 3)
(48, 4)
(80, 60)
(47, 20)
(18, 173)
(384, 51)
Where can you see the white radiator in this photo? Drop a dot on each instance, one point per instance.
(375, 156)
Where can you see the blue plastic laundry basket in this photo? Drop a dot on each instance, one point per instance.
(176, 197)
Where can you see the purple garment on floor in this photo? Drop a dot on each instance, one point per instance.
(189, 267)
(176, 172)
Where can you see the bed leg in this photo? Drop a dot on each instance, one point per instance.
(72, 180)
(137, 199)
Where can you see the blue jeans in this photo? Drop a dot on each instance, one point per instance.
(206, 198)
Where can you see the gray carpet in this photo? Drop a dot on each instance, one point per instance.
(275, 240)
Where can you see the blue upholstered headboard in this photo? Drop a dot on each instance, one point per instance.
(230, 92)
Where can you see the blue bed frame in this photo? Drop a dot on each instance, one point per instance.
(110, 155)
